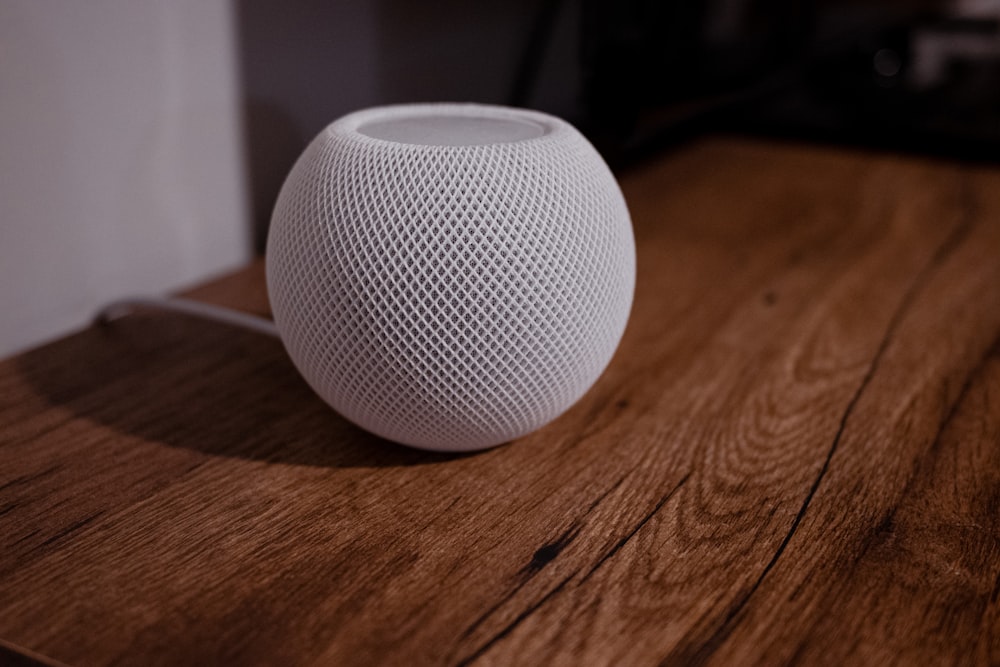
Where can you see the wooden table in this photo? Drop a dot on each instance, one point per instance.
(793, 457)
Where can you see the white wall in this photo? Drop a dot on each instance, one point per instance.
(121, 165)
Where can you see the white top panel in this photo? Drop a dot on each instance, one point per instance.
(452, 127)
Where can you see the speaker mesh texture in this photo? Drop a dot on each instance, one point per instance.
(450, 297)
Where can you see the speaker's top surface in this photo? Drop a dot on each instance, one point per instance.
(448, 124)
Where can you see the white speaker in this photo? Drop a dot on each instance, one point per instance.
(450, 276)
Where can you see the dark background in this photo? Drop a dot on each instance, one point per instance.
(636, 76)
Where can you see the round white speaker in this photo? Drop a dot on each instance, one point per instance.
(450, 276)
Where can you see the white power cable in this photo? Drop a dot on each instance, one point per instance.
(188, 307)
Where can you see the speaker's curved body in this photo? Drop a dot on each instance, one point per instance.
(450, 276)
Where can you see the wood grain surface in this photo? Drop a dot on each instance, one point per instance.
(794, 457)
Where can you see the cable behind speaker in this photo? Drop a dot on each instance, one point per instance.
(187, 307)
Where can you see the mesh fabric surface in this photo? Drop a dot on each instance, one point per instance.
(450, 297)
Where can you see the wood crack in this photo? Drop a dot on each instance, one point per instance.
(562, 584)
(624, 540)
(974, 374)
(548, 551)
(992, 350)
(517, 621)
(700, 654)
(72, 528)
(27, 479)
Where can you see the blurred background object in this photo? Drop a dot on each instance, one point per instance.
(635, 75)
(143, 144)
(916, 76)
